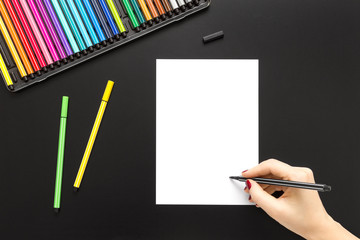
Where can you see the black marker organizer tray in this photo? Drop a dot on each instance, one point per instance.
(131, 34)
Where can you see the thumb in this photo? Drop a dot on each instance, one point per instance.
(264, 200)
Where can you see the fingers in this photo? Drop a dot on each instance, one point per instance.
(271, 166)
(263, 199)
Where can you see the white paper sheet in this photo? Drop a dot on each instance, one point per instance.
(206, 130)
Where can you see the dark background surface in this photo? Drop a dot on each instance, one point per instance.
(309, 116)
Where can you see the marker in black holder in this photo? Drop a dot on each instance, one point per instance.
(169, 15)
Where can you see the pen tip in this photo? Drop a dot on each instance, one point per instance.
(57, 210)
(76, 189)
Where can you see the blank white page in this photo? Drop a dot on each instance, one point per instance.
(206, 130)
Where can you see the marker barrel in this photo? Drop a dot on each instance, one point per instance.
(152, 8)
(5, 73)
(116, 15)
(131, 14)
(15, 38)
(29, 33)
(94, 20)
(167, 6)
(145, 10)
(72, 25)
(12, 48)
(93, 134)
(51, 29)
(102, 19)
(22, 35)
(61, 151)
(159, 7)
(109, 18)
(79, 23)
(138, 12)
(36, 32)
(87, 22)
(44, 31)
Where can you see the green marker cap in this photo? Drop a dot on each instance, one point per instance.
(64, 106)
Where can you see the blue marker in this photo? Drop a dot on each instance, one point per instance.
(109, 18)
(102, 20)
(66, 27)
(87, 22)
(137, 11)
(95, 21)
(80, 24)
(73, 26)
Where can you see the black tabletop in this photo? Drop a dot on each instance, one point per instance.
(309, 116)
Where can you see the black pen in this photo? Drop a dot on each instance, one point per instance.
(285, 183)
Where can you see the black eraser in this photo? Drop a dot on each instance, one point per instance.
(213, 37)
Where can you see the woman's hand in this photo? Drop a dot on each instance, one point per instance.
(299, 210)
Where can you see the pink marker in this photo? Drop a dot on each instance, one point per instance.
(36, 31)
(44, 31)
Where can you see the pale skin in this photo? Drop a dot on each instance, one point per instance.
(299, 210)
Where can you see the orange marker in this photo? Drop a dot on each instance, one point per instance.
(160, 9)
(153, 11)
(145, 10)
(15, 38)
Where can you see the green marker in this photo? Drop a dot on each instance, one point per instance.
(61, 149)
(131, 14)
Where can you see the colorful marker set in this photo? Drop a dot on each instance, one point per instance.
(61, 144)
(43, 37)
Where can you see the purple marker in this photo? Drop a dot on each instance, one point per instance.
(51, 29)
(58, 28)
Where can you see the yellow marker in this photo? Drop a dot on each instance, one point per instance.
(93, 134)
(5, 74)
(12, 48)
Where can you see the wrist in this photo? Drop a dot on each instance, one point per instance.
(329, 229)
(323, 229)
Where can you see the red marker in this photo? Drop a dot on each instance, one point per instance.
(21, 33)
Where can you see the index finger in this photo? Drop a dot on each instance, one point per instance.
(269, 167)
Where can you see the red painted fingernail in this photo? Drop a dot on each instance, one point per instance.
(248, 184)
(244, 171)
(249, 198)
(245, 188)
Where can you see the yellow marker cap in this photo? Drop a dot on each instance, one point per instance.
(108, 90)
